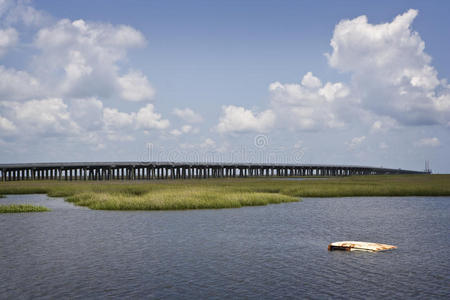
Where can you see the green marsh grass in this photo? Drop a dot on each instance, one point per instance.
(22, 208)
(226, 193)
(176, 200)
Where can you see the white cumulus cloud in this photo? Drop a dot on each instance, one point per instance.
(183, 130)
(47, 117)
(175, 132)
(8, 38)
(391, 72)
(146, 118)
(392, 82)
(135, 87)
(88, 56)
(309, 105)
(18, 85)
(14, 12)
(311, 81)
(188, 115)
(186, 128)
(114, 119)
(6, 126)
(239, 119)
(87, 113)
(333, 91)
(73, 64)
(355, 142)
(383, 124)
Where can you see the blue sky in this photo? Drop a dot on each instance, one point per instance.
(196, 80)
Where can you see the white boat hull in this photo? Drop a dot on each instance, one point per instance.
(359, 246)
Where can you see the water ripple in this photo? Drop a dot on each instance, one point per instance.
(272, 252)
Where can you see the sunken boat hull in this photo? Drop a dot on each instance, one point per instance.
(359, 246)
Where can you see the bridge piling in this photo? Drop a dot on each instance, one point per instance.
(170, 170)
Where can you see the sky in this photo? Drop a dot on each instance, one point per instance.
(323, 82)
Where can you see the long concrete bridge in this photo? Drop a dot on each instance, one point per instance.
(177, 170)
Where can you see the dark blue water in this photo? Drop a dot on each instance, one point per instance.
(276, 251)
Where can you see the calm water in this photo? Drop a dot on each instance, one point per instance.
(276, 251)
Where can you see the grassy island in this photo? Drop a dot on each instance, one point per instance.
(21, 208)
(226, 193)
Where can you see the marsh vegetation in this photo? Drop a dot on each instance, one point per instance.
(226, 193)
(22, 208)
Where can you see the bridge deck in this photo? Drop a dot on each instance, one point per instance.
(178, 170)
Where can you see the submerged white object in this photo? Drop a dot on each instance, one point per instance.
(359, 246)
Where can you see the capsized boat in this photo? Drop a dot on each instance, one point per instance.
(359, 246)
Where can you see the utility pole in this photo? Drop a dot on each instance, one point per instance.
(427, 167)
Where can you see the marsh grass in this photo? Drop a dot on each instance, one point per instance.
(226, 193)
(22, 208)
(176, 200)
